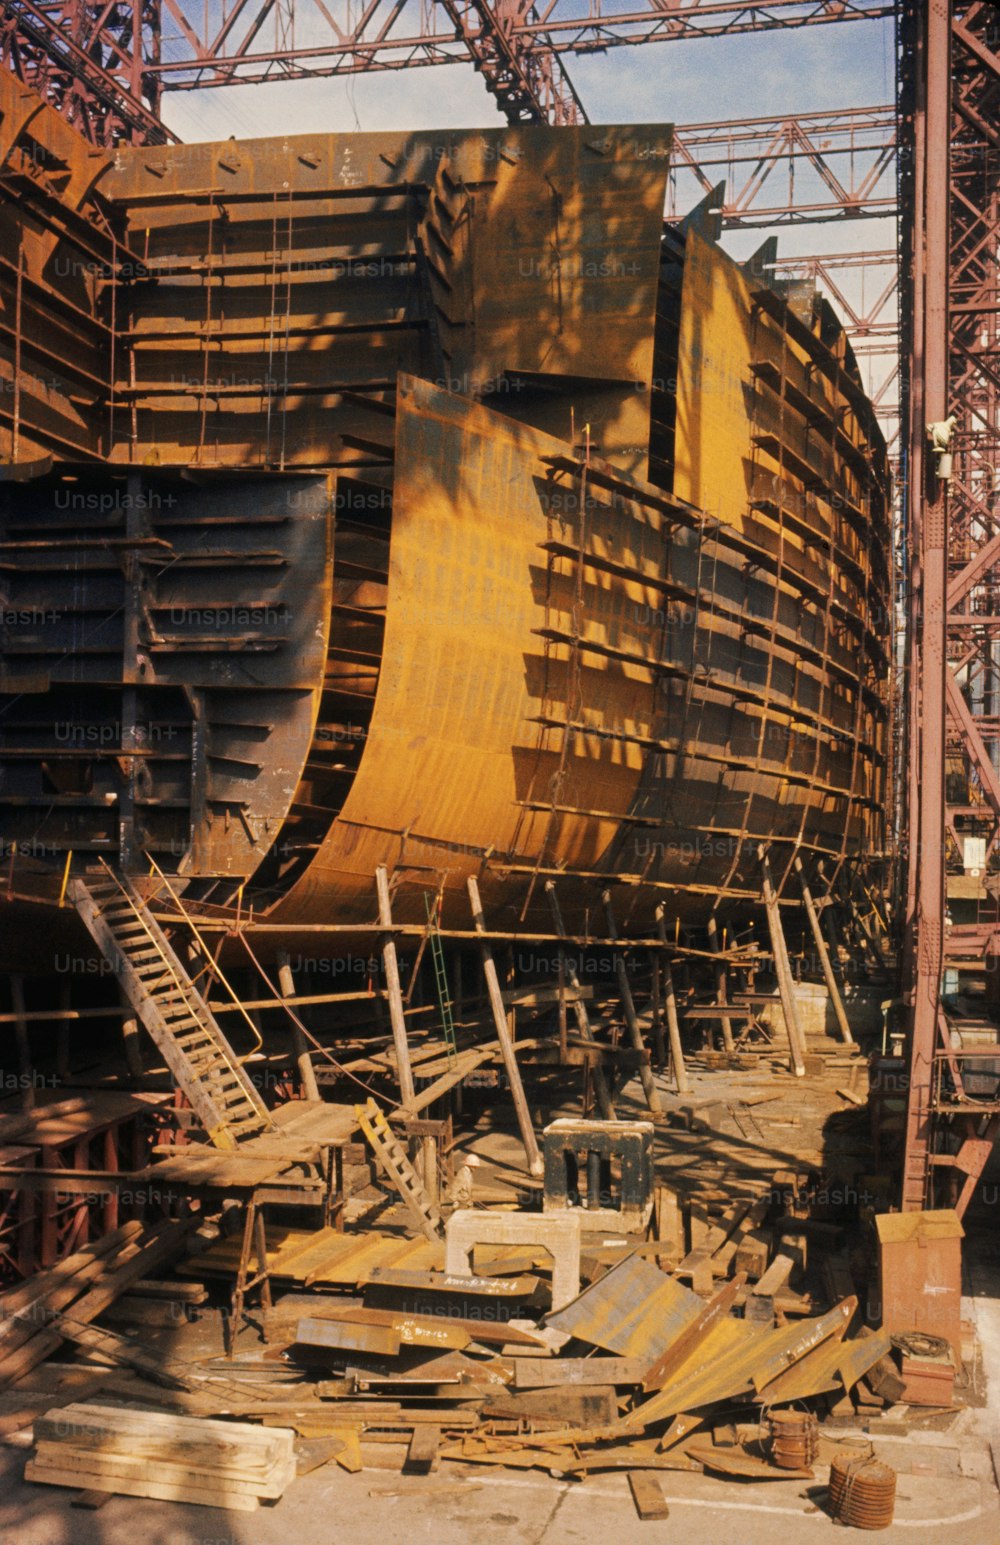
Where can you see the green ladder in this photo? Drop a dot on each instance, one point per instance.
(441, 978)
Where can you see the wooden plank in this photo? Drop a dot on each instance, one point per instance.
(45, 1282)
(466, 1062)
(423, 1454)
(121, 1486)
(752, 1253)
(246, 1450)
(112, 1466)
(728, 1252)
(775, 1277)
(647, 1495)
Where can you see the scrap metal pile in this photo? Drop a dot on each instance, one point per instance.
(520, 1339)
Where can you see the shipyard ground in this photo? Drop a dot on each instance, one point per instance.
(947, 1483)
(946, 1487)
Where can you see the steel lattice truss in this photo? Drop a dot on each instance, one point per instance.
(107, 64)
(794, 169)
(951, 308)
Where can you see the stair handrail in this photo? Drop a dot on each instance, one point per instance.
(183, 987)
(175, 898)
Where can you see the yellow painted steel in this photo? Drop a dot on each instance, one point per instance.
(454, 748)
(713, 382)
(497, 637)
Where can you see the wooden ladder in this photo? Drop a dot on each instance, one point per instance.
(172, 1009)
(391, 1155)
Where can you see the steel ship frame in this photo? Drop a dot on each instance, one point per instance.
(423, 501)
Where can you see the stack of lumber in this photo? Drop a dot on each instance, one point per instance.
(173, 1458)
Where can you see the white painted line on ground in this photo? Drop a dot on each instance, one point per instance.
(744, 1507)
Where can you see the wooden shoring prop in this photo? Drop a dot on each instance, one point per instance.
(649, 1088)
(783, 969)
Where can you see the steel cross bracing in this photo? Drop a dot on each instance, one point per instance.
(950, 110)
(107, 63)
(796, 168)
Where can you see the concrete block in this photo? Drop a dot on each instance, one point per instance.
(558, 1233)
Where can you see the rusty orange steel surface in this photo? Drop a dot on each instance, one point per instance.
(421, 500)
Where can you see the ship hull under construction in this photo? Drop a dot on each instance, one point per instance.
(421, 502)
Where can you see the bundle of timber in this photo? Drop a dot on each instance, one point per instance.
(173, 1458)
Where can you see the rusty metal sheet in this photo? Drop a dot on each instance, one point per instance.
(181, 637)
(54, 337)
(814, 1374)
(634, 1310)
(419, 1330)
(734, 1360)
(340, 1336)
(743, 1466)
(495, 261)
(669, 1363)
(834, 1365)
(454, 747)
(474, 725)
(542, 1373)
(436, 1282)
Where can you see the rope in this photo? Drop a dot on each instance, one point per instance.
(307, 1033)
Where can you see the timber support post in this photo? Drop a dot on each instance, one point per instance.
(649, 1088)
(303, 1060)
(829, 977)
(394, 991)
(602, 1091)
(670, 1006)
(783, 969)
(535, 1164)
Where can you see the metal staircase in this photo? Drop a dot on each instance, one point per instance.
(172, 1009)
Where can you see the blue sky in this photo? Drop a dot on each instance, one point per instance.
(753, 75)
